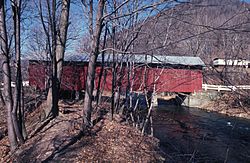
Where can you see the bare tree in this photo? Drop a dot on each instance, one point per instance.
(56, 41)
(15, 105)
(58, 56)
(7, 77)
(18, 107)
(95, 33)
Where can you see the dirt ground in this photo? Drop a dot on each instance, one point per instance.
(61, 140)
(4, 149)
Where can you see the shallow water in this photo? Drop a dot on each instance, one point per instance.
(194, 135)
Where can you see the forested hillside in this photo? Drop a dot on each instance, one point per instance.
(206, 28)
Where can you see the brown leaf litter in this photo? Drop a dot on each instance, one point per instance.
(108, 141)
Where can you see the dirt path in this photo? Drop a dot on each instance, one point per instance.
(56, 134)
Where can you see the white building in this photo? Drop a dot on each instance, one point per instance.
(231, 62)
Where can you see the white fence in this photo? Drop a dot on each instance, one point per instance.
(225, 88)
(13, 84)
(204, 87)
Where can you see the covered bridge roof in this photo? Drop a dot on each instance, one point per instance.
(151, 59)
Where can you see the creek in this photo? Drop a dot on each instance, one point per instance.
(194, 135)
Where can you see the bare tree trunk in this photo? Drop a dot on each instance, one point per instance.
(113, 64)
(22, 116)
(149, 112)
(151, 102)
(1, 98)
(16, 6)
(53, 97)
(103, 86)
(7, 77)
(102, 68)
(87, 108)
(62, 37)
(58, 48)
(151, 126)
(113, 86)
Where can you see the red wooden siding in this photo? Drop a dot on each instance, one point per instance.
(169, 80)
(37, 75)
(177, 80)
(73, 77)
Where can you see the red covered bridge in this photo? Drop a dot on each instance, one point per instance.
(167, 73)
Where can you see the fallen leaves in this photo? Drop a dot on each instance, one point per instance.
(108, 141)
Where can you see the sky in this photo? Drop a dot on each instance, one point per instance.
(77, 27)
